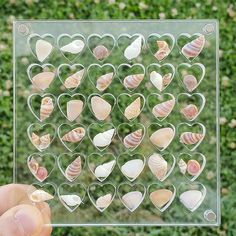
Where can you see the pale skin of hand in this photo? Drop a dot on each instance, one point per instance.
(19, 216)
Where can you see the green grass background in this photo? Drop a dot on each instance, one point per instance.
(224, 11)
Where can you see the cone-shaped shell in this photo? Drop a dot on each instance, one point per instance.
(167, 79)
(42, 49)
(193, 167)
(104, 81)
(133, 81)
(45, 141)
(157, 80)
(33, 165)
(100, 52)
(182, 166)
(191, 198)
(162, 137)
(100, 107)
(163, 50)
(74, 135)
(73, 109)
(132, 168)
(35, 139)
(132, 199)
(43, 80)
(133, 110)
(71, 200)
(103, 139)
(163, 109)
(74, 169)
(190, 111)
(74, 80)
(190, 82)
(75, 47)
(134, 49)
(40, 196)
(189, 138)
(104, 201)
(46, 108)
(104, 170)
(161, 197)
(133, 139)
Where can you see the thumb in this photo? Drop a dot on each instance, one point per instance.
(22, 220)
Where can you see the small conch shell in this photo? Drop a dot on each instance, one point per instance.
(132, 168)
(133, 139)
(191, 199)
(33, 166)
(161, 197)
(100, 52)
(132, 200)
(134, 49)
(35, 139)
(73, 109)
(74, 80)
(71, 200)
(74, 169)
(133, 110)
(133, 81)
(190, 111)
(74, 47)
(100, 107)
(193, 167)
(74, 135)
(182, 166)
(166, 79)
(43, 80)
(159, 81)
(40, 142)
(104, 81)
(193, 49)
(103, 139)
(163, 109)
(40, 196)
(104, 170)
(190, 82)
(163, 50)
(46, 108)
(43, 49)
(189, 138)
(104, 201)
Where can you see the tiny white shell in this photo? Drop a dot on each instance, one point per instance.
(71, 200)
(103, 139)
(134, 49)
(191, 199)
(42, 49)
(40, 196)
(157, 80)
(102, 171)
(132, 168)
(76, 46)
(132, 200)
(104, 201)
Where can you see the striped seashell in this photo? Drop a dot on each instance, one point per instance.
(73, 81)
(190, 138)
(182, 166)
(40, 196)
(104, 81)
(133, 81)
(100, 52)
(132, 140)
(193, 49)
(133, 110)
(33, 165)
(35, 139)
(163, 109)
(190, 111)
(74, 169)
(190, 82)
(45, 141)
(46, 108)
(104, 201)
(166, 79)
(74, 135)
(163, 50)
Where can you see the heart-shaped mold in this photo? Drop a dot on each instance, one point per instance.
(191, 135)
(71, 195)
(161, 45)
(41, 165)
(101, 195)
(71, 136)
(71, 106)
(101, 165)
(161, 105)
(41, 76)
(190, 105)
(131, 105)
(161, 195)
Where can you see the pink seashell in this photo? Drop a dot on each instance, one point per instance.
(132, 140)
(190, 111)
(193, 167)
(190, 82)
(104, 81)
(73, 81)
(163, 109)
(42, 173)
(46, 108)
(74, 135)
(133, 81)
(45, 141)
(163, 50)
(190, 138)
(33, 165)
(74, 169)
(43, 80)
(100, 52)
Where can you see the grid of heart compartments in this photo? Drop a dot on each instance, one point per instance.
(131, 133)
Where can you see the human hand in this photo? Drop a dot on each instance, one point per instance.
(19, 216)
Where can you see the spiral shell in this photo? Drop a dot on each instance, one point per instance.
(190, 111)
(46, 108)
(163, 109)
(190, 82)
(189, 138)
(159, 81)
(33, 166)
(100, 52)
(74, 135)
(104, 81)
(103, 139)
(163, 50)
(166, 79)
(133, 110)
(73, 81)
(45, 141)
(133, 81)
(182, 166)
(193, 167)
(132, 200)
(35, 139)
(132, 140)
(40, 196)
(74, 169)
(104, 201)
(134, 49)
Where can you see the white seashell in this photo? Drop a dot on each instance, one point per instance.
(163, 109)
(103, 139)
(133, 81)
(42, 49)
(74, 47)
(46, 108)
(182, 166)
(104, 81)
(104, 201)
(43, 80)
(74, 80)
(133, 139)
(40, 196)
(133, 110)
(132, 200)
(134, 49)
(100, 107)
(73, 109)
(71, 200)
(191, 198)
(104, 170)
(157, 80)
(132, 168)
(74, 135)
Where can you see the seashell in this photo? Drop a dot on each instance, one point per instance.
(74, 47)
(46, 108)
(104, 81)
(42, 49)
(163, 50)
(73, 81)
(104, 201)
(182, 166)
(133, 81)
(45, 141)
(162, 137)
(71, 200)
(134, 49)
(193, 49)
(193, 167)
(190, 111)
(133, 139)
(190, 82)
(132, 199)
(40, 196)
(41, 174)
(104, 170)
(103, 139)
(33, 166)
(163, 109)
(35, 139)
(166, 79)
(157, 80)
(133, 110)
(73, 109)
(191, 198)
(132, 168)
(100, 52)
(74, 135)
(100, 107)
(74, 169)
(43, 80)
(161, 197)
(158, 166)
(190, 138)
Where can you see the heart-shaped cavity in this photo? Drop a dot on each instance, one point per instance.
(131, 195)
(191, 135)
(131, 105)
(191, 195)
(161, 165)
(71, 46)
(161, 136)
(131, 135)
(161, 195)
(71, 106)
(41, 165)
(191, 165)
(101, 135)
(101, 46)
(41, 106)
(71, 135)
(41, 46)
(190, 46)
(101, 165)
(191, 105)
(71, 165)
(101, 105)
(101, 76)
(131, 76)
(71, 195)
(71, 76)
(41, 136)
(41, 76)
(161, 45)
(191, 75)
(161, 75)
(101, 195)
(161, 105)
(131, 166)
(131, 45)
